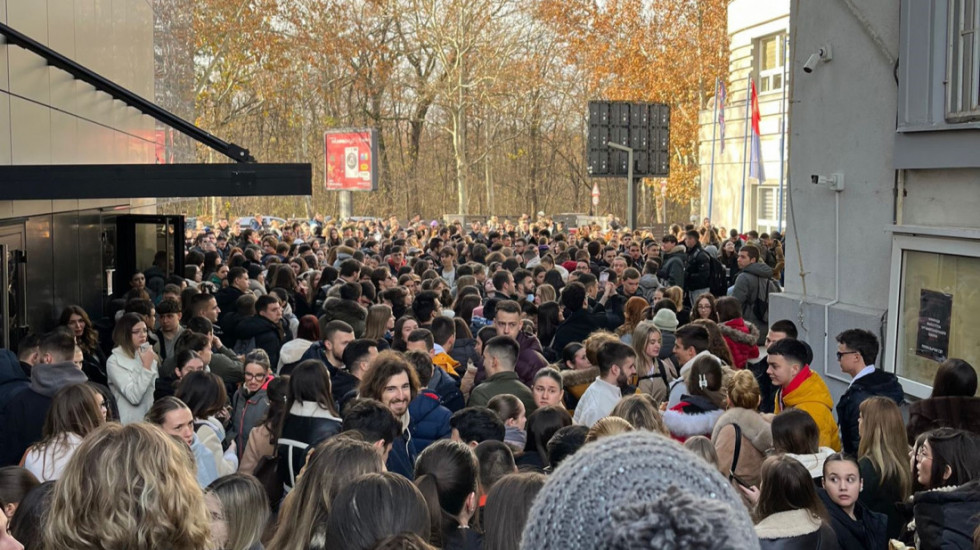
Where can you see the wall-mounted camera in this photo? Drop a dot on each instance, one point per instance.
(824, 54)
(835, 181)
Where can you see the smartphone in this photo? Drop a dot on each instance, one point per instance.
(604, 277)
(740, 481)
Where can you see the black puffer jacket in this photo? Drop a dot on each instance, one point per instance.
(868, 532)
(268, 335)
(877, 383)
(305, 426)
(698, 272)
(946, 518)
(795, 530)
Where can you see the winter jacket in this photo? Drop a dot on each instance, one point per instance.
(946, 518)
(305, 426)
(678, 387)
(795, 530)
(750, 284)
(878, 382)
(756, 440)
(226, 298)
(883, 498)
(211, 433)
(943, 412)
(499, 384)
(291, 352)
(447, 388)
(464, 352)
(429, 421)
(813, 462)
(867, 532)
(657, 382)
(698, 272)
(672, 270)
(268, 335)
(49, 464)
(258, 446)
(131, 384)
(226, 365)
(530, 360)
(246, 413)
(578, 326)
(575, 383)
(694, 415)
(808, 392)
(741, 338)
(207, 469)
(649, 283)
(447, 364)
(767, 391)
(401, 459)
(13, 379)
(348, 311)
(343, 388)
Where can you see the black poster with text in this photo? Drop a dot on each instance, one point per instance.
(935, 313)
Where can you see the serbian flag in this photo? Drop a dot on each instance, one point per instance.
(721, 112)
(756, 170)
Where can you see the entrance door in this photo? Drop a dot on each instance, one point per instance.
(153, 245)
(13, 286)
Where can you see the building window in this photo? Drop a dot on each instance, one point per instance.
(936, 307)
(963, 61)
(771, 56)
(767, 209)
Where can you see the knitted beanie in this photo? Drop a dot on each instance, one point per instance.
(637, 490)
(665, 319)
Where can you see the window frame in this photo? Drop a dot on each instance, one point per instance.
(962, 65)
(780, 70)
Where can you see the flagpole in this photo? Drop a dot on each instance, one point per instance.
(745, 149)
(714, 129)
(782, 137)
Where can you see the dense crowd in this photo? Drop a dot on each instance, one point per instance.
(373, 385)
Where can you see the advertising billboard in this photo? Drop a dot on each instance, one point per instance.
(351, 160)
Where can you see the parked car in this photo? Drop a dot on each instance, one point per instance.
(246, 222)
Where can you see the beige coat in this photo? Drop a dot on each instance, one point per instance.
(756, 440)
(258, 446)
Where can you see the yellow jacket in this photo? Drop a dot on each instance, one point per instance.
(809, 393)
(445, 362)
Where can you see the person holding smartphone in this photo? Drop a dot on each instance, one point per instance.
(132, 368)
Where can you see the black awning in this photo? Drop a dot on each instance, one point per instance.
(112, 181)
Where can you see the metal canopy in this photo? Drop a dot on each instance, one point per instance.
(55, 59)
(111, 181)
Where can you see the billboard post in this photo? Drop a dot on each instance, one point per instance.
(350, 163)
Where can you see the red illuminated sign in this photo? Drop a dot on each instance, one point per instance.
(351, 160)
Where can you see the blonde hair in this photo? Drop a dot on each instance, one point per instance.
(640, 410)
(610, 425)
(594, 342)
(546, 292)
(128, 486)
(743, 390)
(884, 442)
(702, 446)
(641, 336)
(244, 509)
(676, 295)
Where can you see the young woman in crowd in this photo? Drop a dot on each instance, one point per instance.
(239, 511)
(250, 402)
(952, 404)
(86, 337)
(331, 466)
(176, 419)
(676, 295)
(641, 411)
(403, 327)
(132, 368)
(788, 512)
(704, 307)
(795, 433)
(204, 394)
(378, 325)
(947, 511)
(701, 446)
(396, 506)
(857, 527)
(508, 504)
(310, 418)
(653, 373)
(698, 410)
(716, 341)
(883, 460)
(75, 411)
(128, 487)
(541, 426)
(511, 412)
(446, 474)
(549, 317)
(740, 336)
(15, 483)
(744, 427)
(608, 426)
(292, 351)
(264, 436)
(635, 312)
(547, 389)
(27, 525)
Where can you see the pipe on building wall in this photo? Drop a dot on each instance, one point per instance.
(836, 300)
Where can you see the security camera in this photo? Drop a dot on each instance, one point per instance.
(823, 54)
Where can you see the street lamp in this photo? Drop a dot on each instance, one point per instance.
(630, 191)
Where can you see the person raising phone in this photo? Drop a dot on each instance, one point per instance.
(132, 368)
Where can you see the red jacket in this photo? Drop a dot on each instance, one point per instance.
(741, 338)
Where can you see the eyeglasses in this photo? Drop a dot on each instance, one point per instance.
(250, 376)
(841, 354)
(921, 455)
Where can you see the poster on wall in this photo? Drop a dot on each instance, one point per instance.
(935, 313)
(351, 160)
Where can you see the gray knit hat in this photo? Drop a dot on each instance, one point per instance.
(665, 319)
(637, 490)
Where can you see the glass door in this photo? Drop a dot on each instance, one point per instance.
(148, 244)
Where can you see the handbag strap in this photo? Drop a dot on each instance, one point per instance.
(738, 449)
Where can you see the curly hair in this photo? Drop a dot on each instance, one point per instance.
(89, 340)
(128, 486)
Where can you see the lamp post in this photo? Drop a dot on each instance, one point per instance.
(630, 190)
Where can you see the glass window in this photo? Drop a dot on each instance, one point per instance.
(945, 278)
(771, 58)
(963, 62)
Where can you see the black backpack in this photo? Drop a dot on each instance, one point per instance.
(718, 278)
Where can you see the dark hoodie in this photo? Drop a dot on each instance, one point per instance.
(23, 417)
(348, 311)
(268, 335)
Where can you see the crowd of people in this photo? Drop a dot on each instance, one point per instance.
(369, 385)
